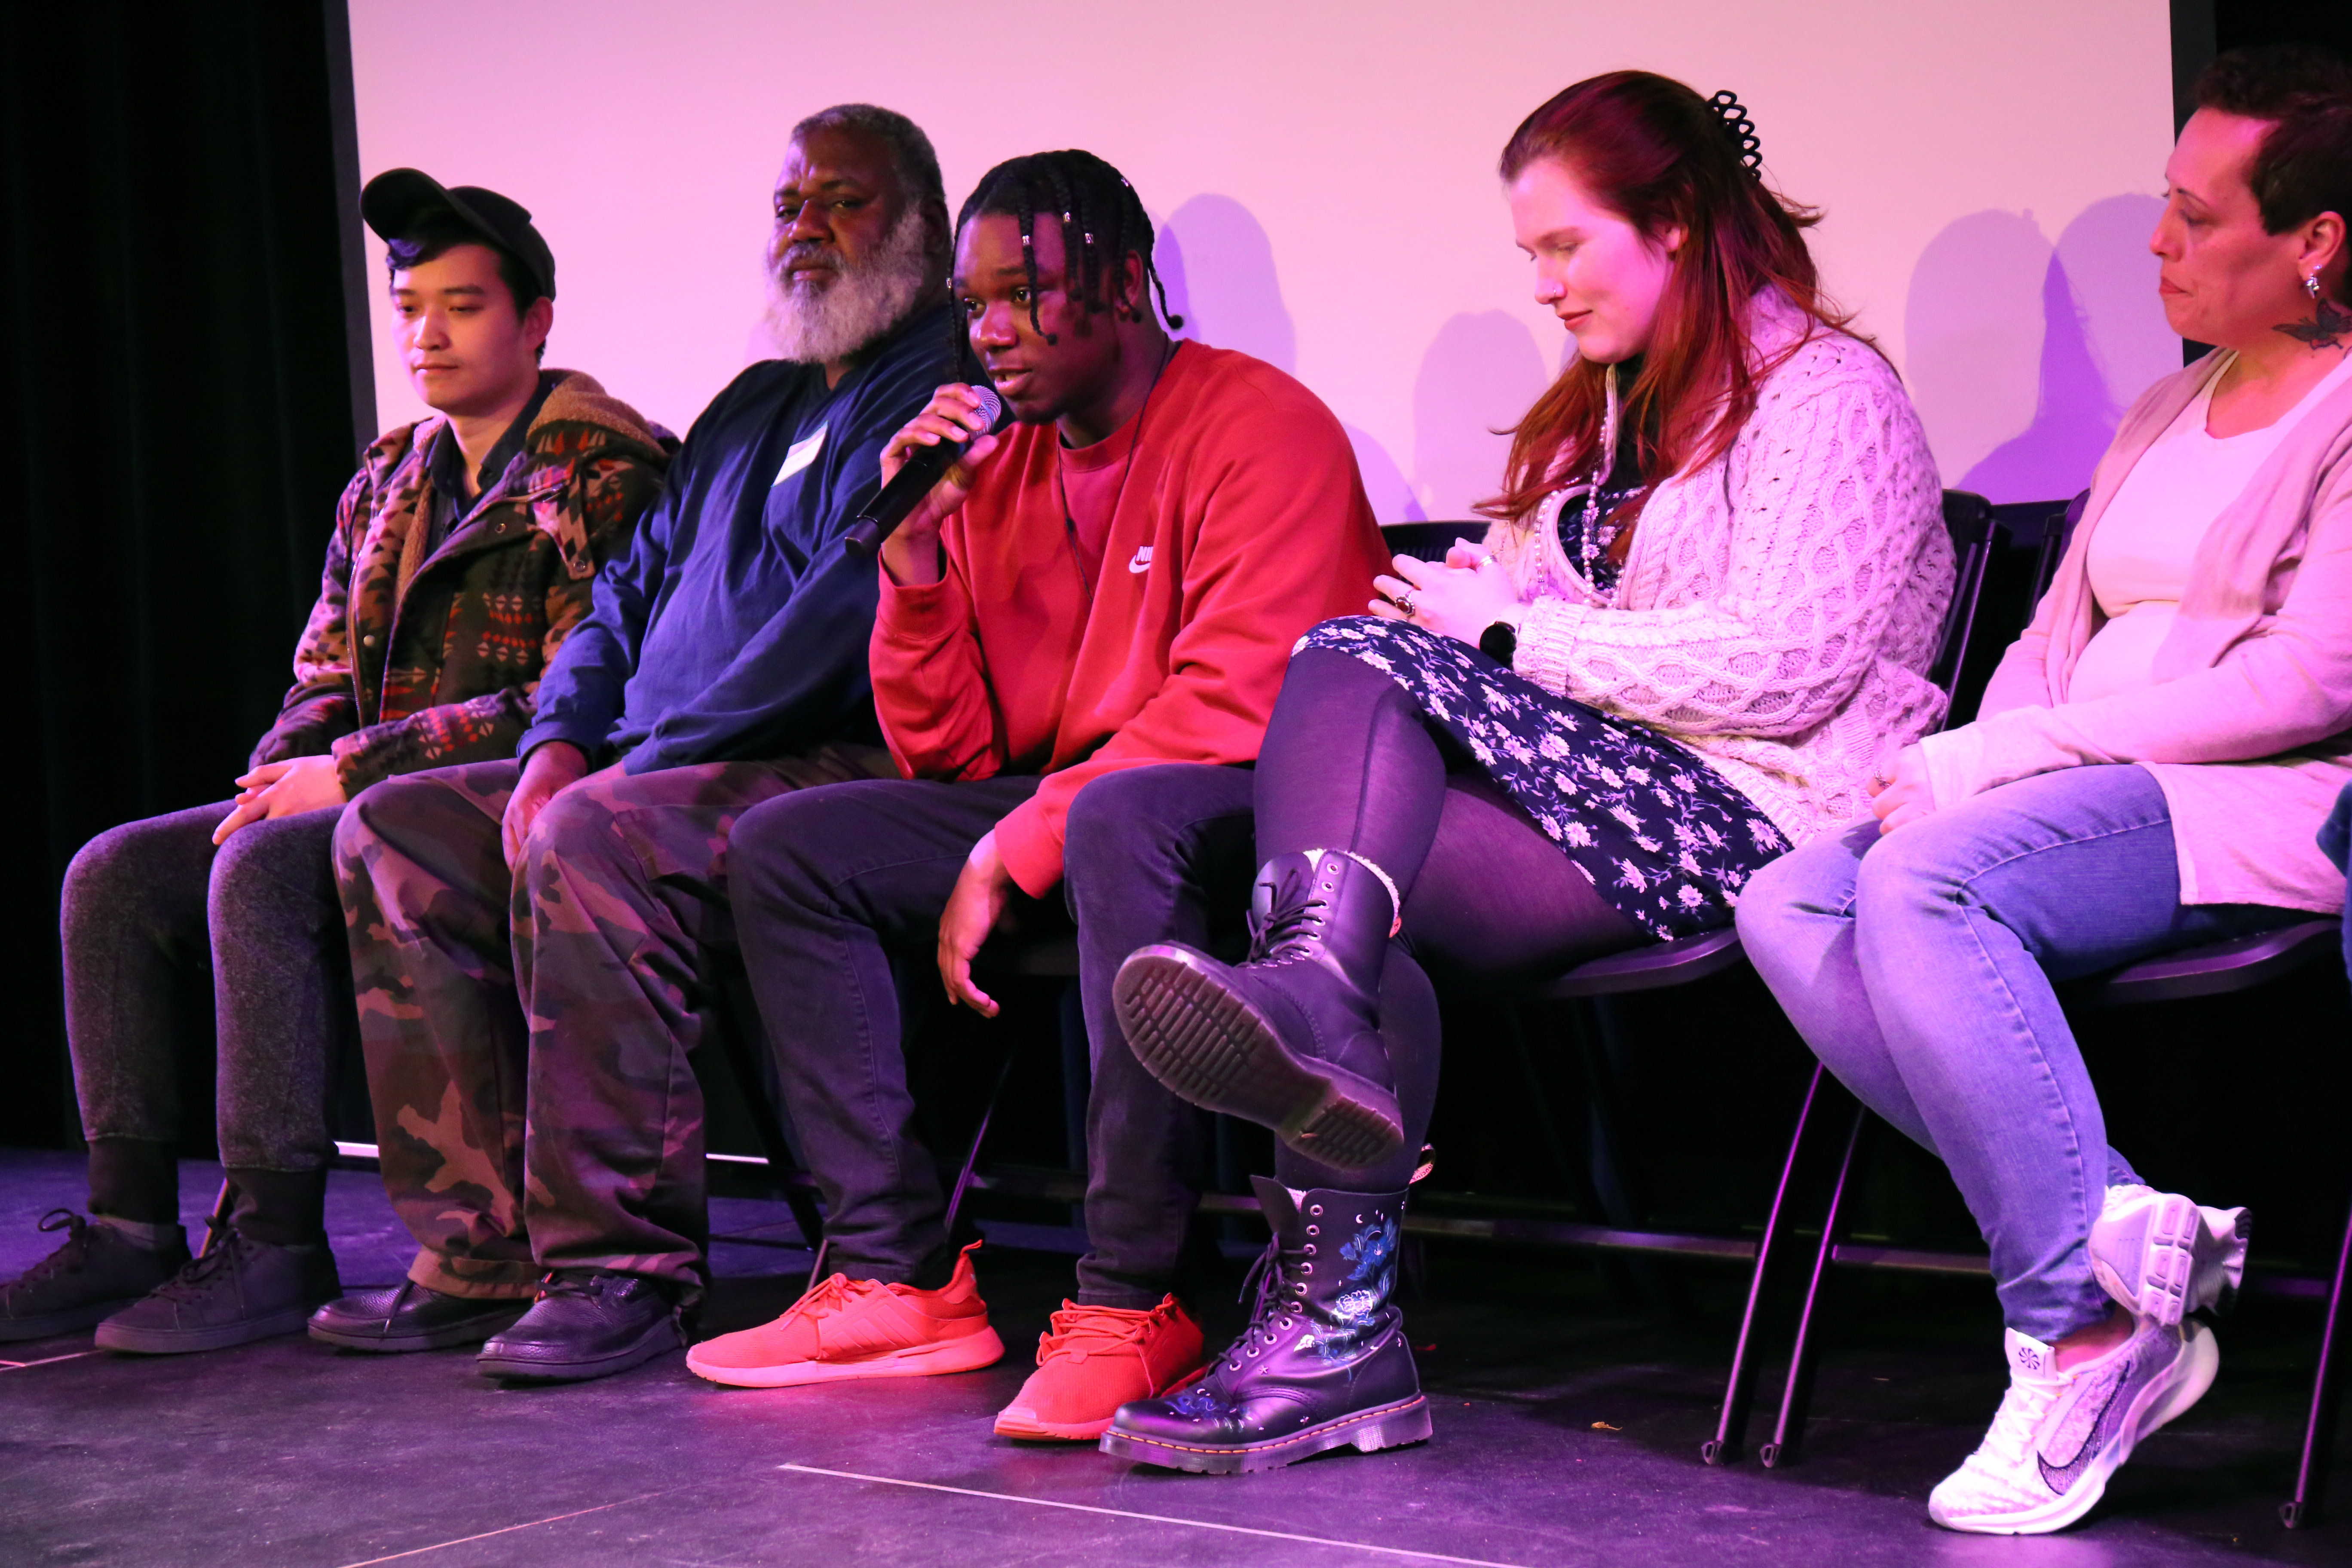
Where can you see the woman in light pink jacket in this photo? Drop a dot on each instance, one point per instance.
(2148, 772)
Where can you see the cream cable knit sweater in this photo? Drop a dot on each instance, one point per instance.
(1781, 606)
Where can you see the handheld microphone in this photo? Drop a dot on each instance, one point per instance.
(924, 467)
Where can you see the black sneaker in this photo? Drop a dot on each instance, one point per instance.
(411, 1316)
(97, 1273)
(237, 1292)
(587, 1322)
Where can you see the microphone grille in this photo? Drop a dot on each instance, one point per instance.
(992, 406)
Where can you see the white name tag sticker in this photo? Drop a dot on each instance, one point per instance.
(801, 455)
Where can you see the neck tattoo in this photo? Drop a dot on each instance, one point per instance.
(2328, 325)
(1126, 466)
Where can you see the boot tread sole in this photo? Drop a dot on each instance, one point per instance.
(1217, 1051)
(2180, 1265)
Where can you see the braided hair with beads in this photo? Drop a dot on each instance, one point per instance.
(1102, 219)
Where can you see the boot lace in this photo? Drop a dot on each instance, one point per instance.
(197, 1275)
(69, 1255)
(588, 1284)
(560, 1284)
(1272, 1315)
(1287, 932)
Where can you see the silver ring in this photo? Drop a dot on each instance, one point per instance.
(1404, 602)
(1486, 559)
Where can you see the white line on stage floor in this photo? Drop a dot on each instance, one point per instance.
(509, 1529)
(1152, 1518)
(45, 1360)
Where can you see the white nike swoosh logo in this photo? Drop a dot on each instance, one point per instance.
(1142, 562)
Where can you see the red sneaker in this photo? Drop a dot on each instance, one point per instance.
(846, 1328)
(1092, 1360)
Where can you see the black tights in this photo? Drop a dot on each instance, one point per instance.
(1350, 762)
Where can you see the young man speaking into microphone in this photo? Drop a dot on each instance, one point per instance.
(1114, 582)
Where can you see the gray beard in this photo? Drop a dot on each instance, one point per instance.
(822, 323)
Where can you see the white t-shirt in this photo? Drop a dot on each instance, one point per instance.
(2140, 556)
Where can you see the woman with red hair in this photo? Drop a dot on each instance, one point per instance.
(1695, 634)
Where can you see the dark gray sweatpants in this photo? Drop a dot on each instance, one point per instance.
(151, 904)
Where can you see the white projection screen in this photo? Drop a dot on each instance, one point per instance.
(1323, 176)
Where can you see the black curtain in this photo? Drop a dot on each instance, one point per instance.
(2327, 23)
(175, 425)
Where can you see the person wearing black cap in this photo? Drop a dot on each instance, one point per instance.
(538, 934)
(462, 556)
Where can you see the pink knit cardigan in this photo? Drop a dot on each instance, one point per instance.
(2248, 727)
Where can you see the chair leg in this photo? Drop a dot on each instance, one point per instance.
(224, 1205)
(1804, 1355)
(1619, 1204)
(806, 1217)
(2326, 1389)
(1574, 1174)
(1613, 1182)
(1077, 1085)
(743, 1041)
(980, 1135)
(1739, 1390)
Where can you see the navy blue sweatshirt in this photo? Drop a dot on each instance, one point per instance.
(736, 625)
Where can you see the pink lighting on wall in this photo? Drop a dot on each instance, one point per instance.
(1324, 174)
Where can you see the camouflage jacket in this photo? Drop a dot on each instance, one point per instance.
(412, 662)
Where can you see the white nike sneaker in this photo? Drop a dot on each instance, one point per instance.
(2060, 1435)
(2164, 1257)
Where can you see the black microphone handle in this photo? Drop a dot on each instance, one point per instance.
(899, 498)
(924, 467)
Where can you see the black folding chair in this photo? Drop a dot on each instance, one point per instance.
(1969, 519)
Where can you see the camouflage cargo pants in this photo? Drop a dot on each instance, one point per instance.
(527, 1033)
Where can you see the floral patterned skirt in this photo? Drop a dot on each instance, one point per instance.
(1664, 836)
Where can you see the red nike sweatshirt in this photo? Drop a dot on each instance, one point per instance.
(1241, 523)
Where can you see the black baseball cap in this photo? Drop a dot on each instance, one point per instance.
(396, 199)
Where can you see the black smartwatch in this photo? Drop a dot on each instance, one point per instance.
(1500, 642)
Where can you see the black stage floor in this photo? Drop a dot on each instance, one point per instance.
(1569, 1423)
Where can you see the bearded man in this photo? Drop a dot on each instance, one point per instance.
(532, 940)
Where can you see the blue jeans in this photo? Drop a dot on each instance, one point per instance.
(1919, 968)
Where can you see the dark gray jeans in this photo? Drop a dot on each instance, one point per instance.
(147, 905)
(828, 883)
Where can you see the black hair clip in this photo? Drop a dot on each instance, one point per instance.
(1739, 130)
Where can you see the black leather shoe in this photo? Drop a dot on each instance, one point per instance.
(409, 1316)
(587, 1322)
(96, 1273)
(238, 1290)
(1323, 1363)
(1289, 1039)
